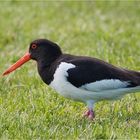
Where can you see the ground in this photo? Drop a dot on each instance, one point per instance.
(29, 109)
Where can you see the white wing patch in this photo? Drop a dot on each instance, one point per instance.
(105, 85)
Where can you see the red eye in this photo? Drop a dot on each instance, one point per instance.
(34, 46)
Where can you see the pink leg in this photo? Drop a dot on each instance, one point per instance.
(90, 114)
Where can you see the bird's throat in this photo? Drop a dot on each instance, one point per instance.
(46, 71)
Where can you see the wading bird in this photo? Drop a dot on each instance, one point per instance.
(80, 78)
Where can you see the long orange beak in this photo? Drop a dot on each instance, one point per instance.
(19, 63)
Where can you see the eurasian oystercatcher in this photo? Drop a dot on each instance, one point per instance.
(80, 78)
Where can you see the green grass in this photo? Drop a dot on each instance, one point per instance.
(31, 110)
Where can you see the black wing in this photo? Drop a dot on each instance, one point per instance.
(89, 70)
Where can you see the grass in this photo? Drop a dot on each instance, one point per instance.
(109, 30)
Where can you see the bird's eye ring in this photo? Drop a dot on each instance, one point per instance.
(34, 46)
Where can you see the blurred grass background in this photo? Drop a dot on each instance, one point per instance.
(109, 30)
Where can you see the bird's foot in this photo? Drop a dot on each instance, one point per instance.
(89, 114)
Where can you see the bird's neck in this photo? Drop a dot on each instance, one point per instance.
(46, 69)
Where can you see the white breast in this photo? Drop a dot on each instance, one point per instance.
(60, 83)
(64, 87)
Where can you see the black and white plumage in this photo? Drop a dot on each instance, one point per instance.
(81, 78)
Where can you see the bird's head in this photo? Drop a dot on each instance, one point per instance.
(43, 49)
(39, 50)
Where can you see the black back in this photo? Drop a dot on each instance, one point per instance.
(89, 70)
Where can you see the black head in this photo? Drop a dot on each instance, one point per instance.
(41, 49)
